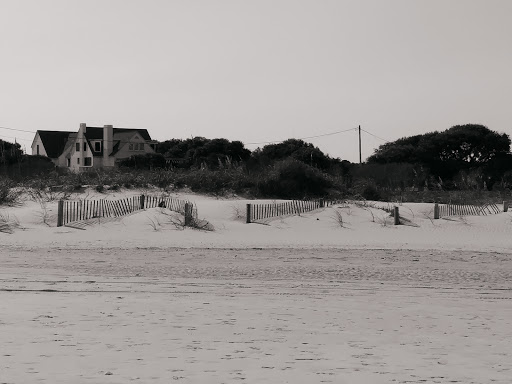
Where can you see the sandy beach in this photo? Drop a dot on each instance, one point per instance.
(259, 316)
(292, 300)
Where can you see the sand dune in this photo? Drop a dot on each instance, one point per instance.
(291, 300)
(362, 229)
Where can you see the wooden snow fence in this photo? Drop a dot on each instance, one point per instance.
(71, 211)
(446, 210)
(255, 212)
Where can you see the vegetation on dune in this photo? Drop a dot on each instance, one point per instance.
(461, 164)
(10, 153)
(463, 157)
(202, 152)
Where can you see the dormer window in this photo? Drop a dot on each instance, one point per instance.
(78, 147)
(97, 146)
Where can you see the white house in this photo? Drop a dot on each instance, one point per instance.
(92, 147)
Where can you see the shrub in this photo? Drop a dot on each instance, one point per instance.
(147, 161)
(27, 166)
(9, 195)
(392, 176)
(292, 179)
(370, 192)
(213, 181)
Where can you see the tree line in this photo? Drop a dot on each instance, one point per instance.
(462, 157)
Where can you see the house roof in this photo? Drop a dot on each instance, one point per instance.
(54, 142)
(69, 143)
(96, 133)
(122, 138)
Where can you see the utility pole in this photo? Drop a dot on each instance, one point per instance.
(360, 161)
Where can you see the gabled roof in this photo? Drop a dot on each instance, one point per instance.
(96, 133)
(121, 138)
(124, 136)
(143, 132)
(54, 142)
(70, 143)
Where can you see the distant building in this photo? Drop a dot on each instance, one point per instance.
(92, 147)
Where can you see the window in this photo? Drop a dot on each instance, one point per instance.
(37, 149)
(69, 162)
(85, 146)
(97, 146)
(78, 147)
(87, 161)
(136, 146)
(78, 160)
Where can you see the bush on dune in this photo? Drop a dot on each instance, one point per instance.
(292, 179)
(9, 194)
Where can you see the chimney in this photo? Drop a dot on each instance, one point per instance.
(108, 140)
(81, 140)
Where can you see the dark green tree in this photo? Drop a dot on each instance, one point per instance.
(465, 145)
(294, 149)
(199, 151)
(446, 153)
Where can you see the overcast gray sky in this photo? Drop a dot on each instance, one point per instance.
(257, 71)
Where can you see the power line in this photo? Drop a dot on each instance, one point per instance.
(304, 138)
(380, 138)
(262, 142)
(19, 130)
(256, 143)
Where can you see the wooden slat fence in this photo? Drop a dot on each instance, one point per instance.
(70, 211)
(257, 212)
(467, 210)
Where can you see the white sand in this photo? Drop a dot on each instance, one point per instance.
(122, 302)
(318, 229)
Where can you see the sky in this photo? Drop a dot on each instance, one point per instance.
(256, 71)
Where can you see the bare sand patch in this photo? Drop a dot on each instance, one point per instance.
(259, 316)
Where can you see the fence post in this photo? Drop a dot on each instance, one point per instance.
(248, 214)
(436, 211)
(396, 216)
(142, 198)
(188, 214)
(505, 206)
(60, 213)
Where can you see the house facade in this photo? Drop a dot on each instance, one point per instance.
(92, 147)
